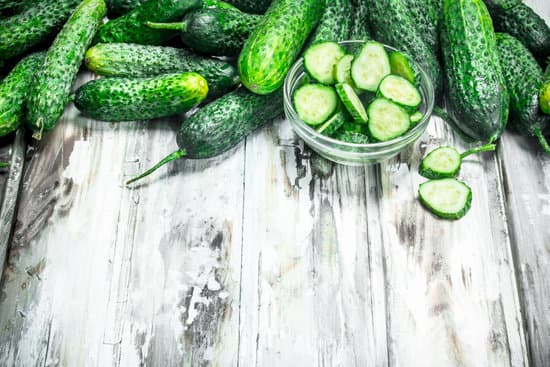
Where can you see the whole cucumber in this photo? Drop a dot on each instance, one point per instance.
(138, 61)
(132, 27)
(252, 6)
(121, 7)
(125, 99)
(222, 124)
(13, 92)
(477, 95)
(8, 7)
(36, 25)
(335, 25)
(217, 32)
(50, 92)
(425, 15)
(276, 42)
(523, 77)
(360, 29)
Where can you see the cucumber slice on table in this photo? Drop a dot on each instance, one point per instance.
(399, 90)
(370, 66)
(387, 120)
(334, 123)
(315, 103)
(447, 198)
(416, 117)
(400, 65)
(320, 60)
(351, 101)
(445, 162)
(342, 70)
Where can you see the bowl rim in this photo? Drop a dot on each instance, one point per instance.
(295, 119)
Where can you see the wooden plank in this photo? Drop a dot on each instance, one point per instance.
(103, 275)
(312, 292)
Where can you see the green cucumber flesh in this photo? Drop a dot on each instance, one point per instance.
(342, 70)
(399, 90)
(352, 102)
(320, 60)
(315, 103)
(400, 65)
(416, 117)
(332, 125)
(387, 120)
(447, 198)
(370, 66)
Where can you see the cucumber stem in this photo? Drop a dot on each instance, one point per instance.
(171, 157)
(485, 148)
(181, 26)
(4, 165)
(542, 140)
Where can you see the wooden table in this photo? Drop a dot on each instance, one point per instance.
(267, 256)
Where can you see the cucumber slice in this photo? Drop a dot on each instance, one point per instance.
(351, 101)
(447, 198)
(334, 123)
(400, 65)
(370, 66)
(387, 120)
(315, 103)
(353, 137)
(416, 117)
(342, 70)
(399, 90)
(443, 162)
(320, 60)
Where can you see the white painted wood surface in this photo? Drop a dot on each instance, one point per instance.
(266, 256)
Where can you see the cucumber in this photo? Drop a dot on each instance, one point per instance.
(544, 97)
(399, 90)
(445, 162)
(331, 126)
(274, 45)
(447, 198)
(416, 117)
(222, 124)
(138, 61)
(4, 164)
(120, 7)
(218, 32)
(50, 91)
(335, 25)
(252, 6)
(13, 92)
(392, 24)
(321, 59)
(124, 99)
(351, 101)
(520, 21)
(36, 25)
(353, 137)
(370, 66)
(132, 27)
(342, 70)
(387, 120)
(477, 96)
(523, 77)
(11, 7)
(425, 17)
(360, 21)
(400, 65)
(315, 103)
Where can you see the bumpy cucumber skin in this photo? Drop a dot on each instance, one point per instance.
(39, 23)
(125, 99)
(360, 29)
(252, 6)
(477, 95)
(522, 22)
(138, 61)
(353, 137)
(10, 7)
(120, 7)
(524, 78)
(222, 124)
(218, 32)
(132, 27)
(50, 92)
(274, 45)
(335, 25)
(425, 14)
(13, 92)
(392, 24)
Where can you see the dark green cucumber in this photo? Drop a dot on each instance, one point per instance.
(252, 6)
(51, 89)
(524, 78)
(222, 124)
(138, 61)
(11, 7)
(36, 25)
(335, 25)
(125, 99)
(519, 20)
(120, 7)
(132, 27)
(477, 96)
(392, 24)
(13, 92)
(218, 32)
(360, 29)
(425, 16)
(276, 42)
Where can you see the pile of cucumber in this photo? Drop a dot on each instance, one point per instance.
(333, 104)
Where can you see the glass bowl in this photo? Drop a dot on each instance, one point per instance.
(348, 153)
